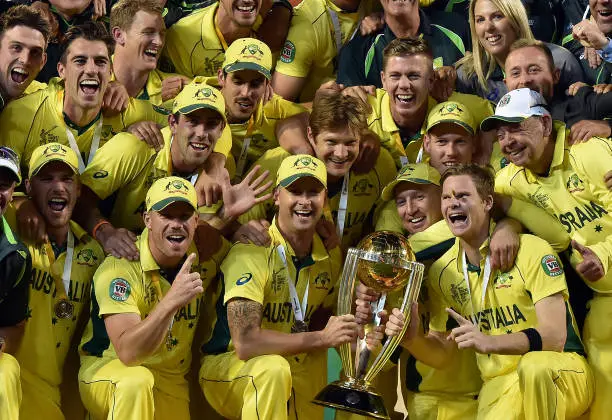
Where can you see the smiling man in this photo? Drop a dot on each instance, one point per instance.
(268, 328)
(24, 34)
(68, 111)
(63, 268)
(136, 349)
(532, 353)
(568, 182)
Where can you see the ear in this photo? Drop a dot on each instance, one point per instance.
(426, 142)
(172, 123)
(548, 125)
(118, 36)
(488, 202)
(556, 76)
(311, 138)
(44, 61)
(78, 186)
(383, 79)
(146, 216)
(61, 70)
(220, 78)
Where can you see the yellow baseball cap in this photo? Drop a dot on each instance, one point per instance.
(248, 54)
(417, 173)
(52, 152)
(451, 112)
(295, 167)
(198, 95)
(172, 189)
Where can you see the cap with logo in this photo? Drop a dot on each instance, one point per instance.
(453, 113)
(198, 95)
(417, 173)
(295, 167)
(52, 152)
(10, 161)
(515, 107)
(248, 54)
(172, 189)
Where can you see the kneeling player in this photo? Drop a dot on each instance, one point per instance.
(518, 322)
(268, 346)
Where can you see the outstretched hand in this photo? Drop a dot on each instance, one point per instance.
(240, 198)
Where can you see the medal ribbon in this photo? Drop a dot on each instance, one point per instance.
(337, 29)
(245, 149)
(485, 281)
(298, 310)
(219, 34)
(62, 288)
(342, 206)
(95, 144)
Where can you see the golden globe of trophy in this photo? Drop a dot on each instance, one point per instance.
(383, 261)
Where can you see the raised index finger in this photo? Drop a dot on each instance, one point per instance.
(186, 268)
(460, 320)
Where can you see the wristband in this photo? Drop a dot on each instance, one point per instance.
(535, 339)
(97, 227)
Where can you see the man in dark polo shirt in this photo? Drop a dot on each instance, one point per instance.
(361, 60)
(15, 267)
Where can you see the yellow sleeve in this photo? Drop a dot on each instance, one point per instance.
(280, 108)
(389, 219)
(118, 290)
(431, 239)
(540, 223)
(386, 172)
(245, 272)
(299, 50)
(116, 164)
(35, 86)
(592, 160)
(141, 110)
(224, 144)
(541, 268)
(437, 304)
(16, 120)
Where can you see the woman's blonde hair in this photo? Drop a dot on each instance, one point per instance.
(480, 61)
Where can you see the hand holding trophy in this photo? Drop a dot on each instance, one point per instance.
(384, 262)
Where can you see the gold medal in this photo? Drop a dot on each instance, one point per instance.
(64, 309)
(299, 327)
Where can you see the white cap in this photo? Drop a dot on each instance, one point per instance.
(10, 161)
(515, 107)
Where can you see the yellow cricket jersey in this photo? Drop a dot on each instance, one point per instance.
(381, 122)
(38, 119)
(35, 86)
(128, 167)
(152, 90)
(257, 273)
(510, 298)
(47, 338)
(193, 46)
(310, 50)
(364, 192)
(574, 192)
(122, 286)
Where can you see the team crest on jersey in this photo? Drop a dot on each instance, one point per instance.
(551, 265)
(362, 187)
(288, 52)
(119, 290)
(86, 257)
(539, 198)
(46, 136)
(503, 281)
(459, 293)
(574, 184)
(252, 51)
(503, 162)
(322, 281)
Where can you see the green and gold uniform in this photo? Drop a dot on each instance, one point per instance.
(48, 338)
(364, 192)
(258, 274)
(549, 384)
(110, 389)
(127, 166)
(310, 51)
(39, 119)
(575, 193)
(400, 145)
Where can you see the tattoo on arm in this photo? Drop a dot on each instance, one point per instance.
(243, 315)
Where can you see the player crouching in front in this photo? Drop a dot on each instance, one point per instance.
(268, 346)
(136, 349)
(518, 322)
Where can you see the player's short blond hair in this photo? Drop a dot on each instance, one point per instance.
(482, 176)
(405, 47)
(123, 12)
(334, 112)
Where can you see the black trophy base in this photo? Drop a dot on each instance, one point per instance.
(343, 395)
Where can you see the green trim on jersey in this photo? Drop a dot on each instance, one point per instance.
(455, 39)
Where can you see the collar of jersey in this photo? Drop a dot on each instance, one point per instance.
(559, 153)
(484, 248)
(318, 253)
(57, 86)
(147, 262)
(424, 27)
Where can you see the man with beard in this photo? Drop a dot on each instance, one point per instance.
(15, 267)
(136, 348)
(24, 34)
(269, 327)
(63, 268)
